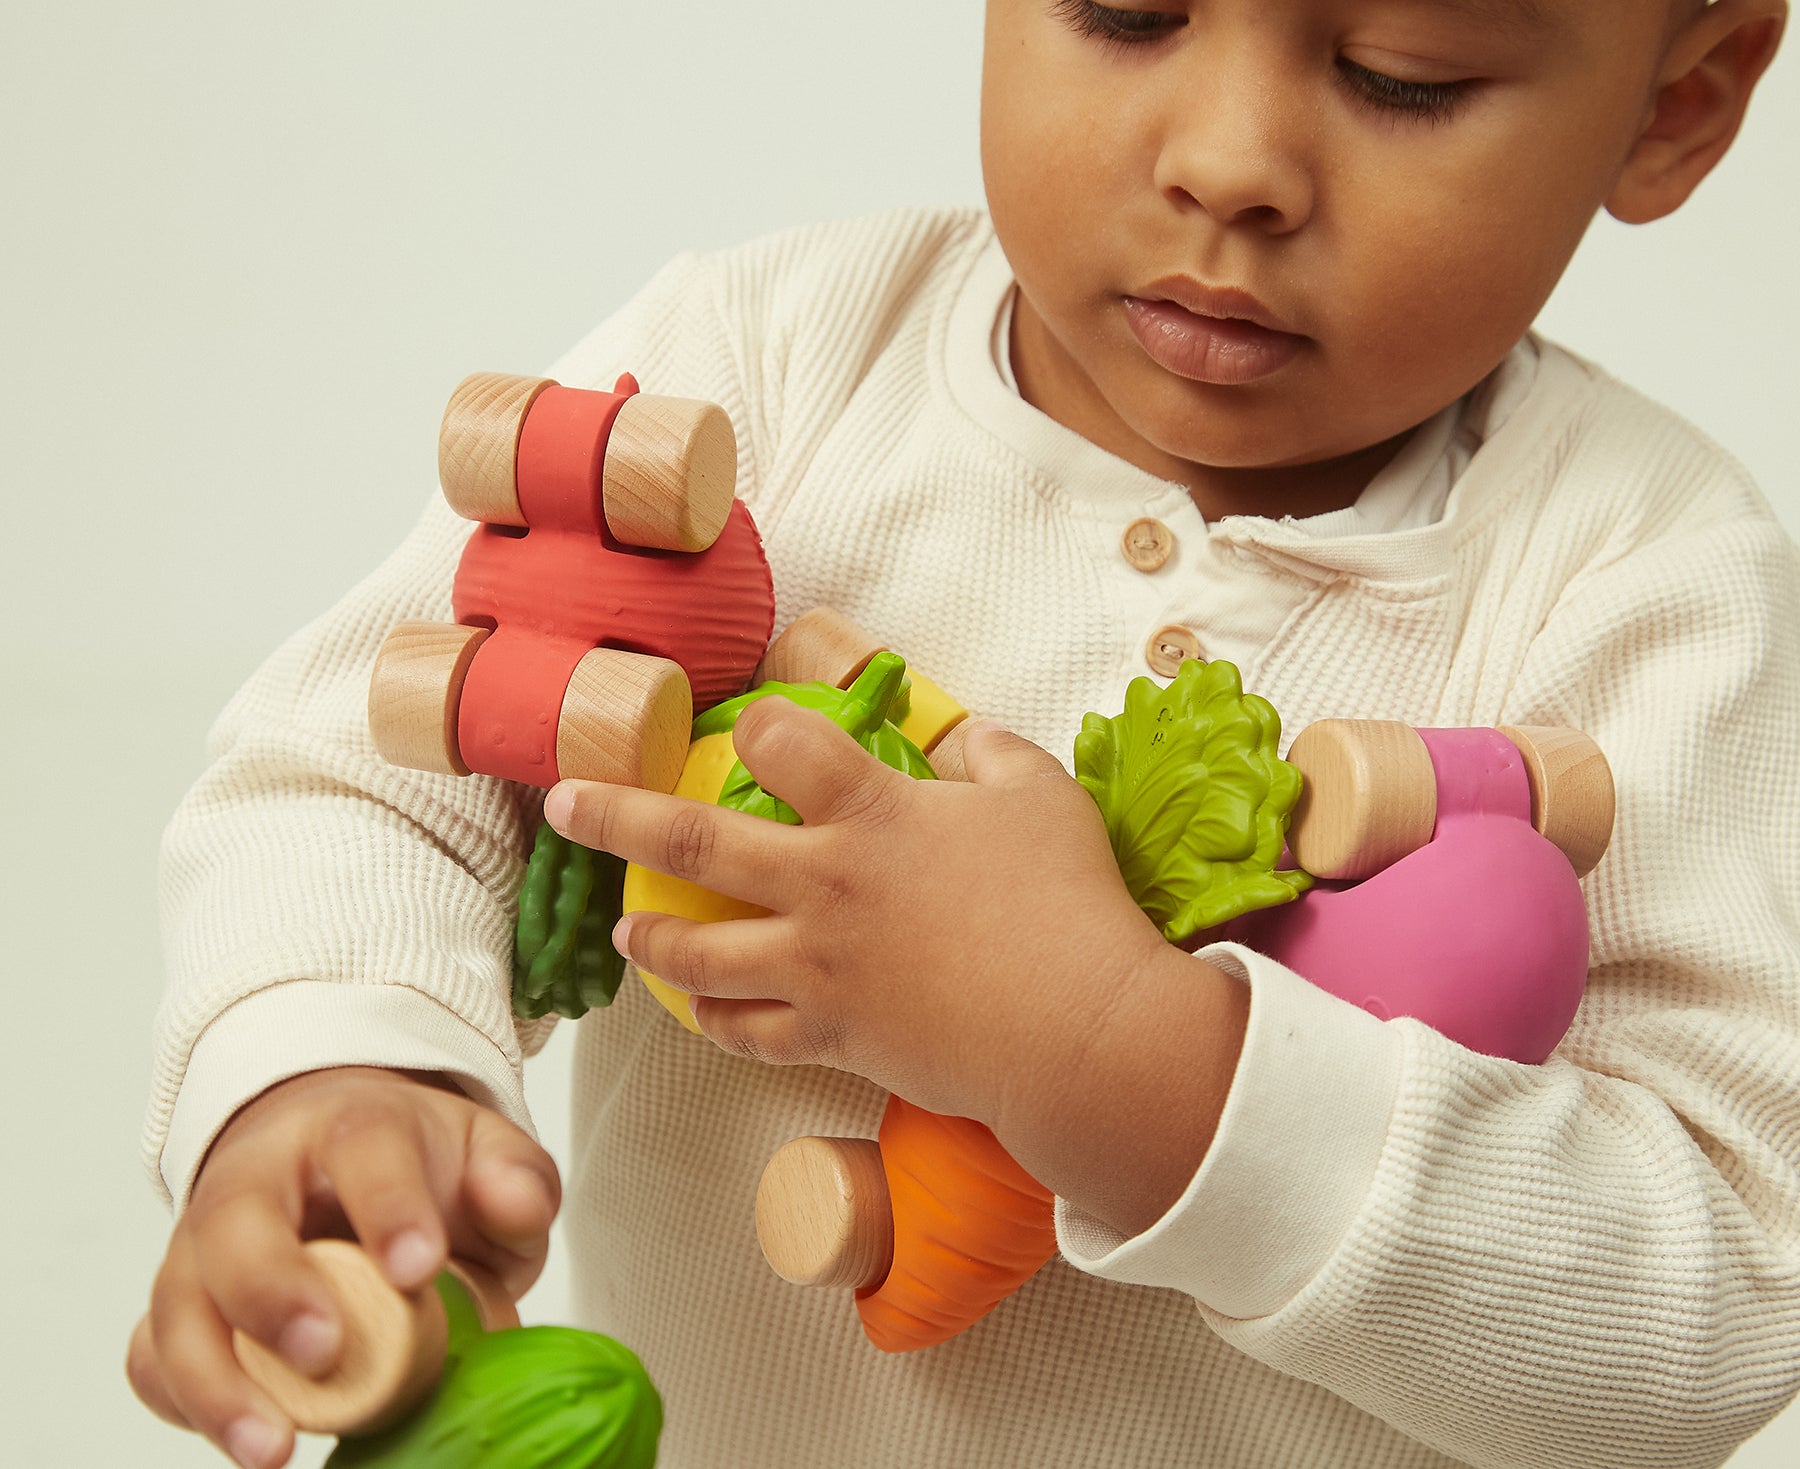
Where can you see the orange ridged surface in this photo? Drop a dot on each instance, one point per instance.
(970, 1227)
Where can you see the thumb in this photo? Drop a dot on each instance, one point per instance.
(987, 753)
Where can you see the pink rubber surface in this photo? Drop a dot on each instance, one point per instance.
(1481, 933)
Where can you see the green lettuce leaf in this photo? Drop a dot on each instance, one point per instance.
(1195, 799)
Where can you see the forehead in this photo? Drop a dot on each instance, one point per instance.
(1543, 15)
(1526, 14)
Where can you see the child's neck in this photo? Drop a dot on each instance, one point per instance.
(1053, 384)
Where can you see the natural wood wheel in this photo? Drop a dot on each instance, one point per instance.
(416, 690)
(822, 1212)
(671, 473)
(478, 445)
(625, 719)
(393, 1350)
(820, 646)
(1572, 799)
(1368, 796)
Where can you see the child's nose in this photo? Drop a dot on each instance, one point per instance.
(1234, 147)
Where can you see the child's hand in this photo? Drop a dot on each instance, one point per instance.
(413, 1170)
(950, 941)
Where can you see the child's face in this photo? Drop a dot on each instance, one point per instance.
(1396, 185)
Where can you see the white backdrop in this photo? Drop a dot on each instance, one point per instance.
(247, 249)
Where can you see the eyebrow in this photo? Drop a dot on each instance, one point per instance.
(1528, 15)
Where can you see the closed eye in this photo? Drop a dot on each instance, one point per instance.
(1432, 102)
(1115, 26)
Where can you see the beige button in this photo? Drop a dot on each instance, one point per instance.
(1168, 648)
(1147, 544)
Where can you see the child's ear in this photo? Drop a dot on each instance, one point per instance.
(1712, 66)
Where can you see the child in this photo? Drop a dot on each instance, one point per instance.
(1261, 275)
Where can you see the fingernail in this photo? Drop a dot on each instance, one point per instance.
(621, 935)
(410, 1258)
(558, 805)
(309, 1341)
(253, 1443)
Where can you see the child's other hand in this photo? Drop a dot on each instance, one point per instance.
(950, 941)
(413, 1170)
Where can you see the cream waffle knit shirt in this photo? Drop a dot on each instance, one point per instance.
(1397, 1253)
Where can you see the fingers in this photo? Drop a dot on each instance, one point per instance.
(769, 1031)
(730, 852)
(145, 1378)
(248, 1262)
(736, 958)
(512, 1193)
(374, 1157)
(187, 1372)
(992, 755)
(816, 767)
(411, 1169)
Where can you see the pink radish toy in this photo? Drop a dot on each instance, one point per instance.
(1452, 859)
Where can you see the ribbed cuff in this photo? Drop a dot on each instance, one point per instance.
(1290, 1166)
(308, 1025)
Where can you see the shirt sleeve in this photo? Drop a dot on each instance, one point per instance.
(321, 907)
(1596, 1259)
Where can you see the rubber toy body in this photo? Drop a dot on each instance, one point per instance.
(567, 586)
(613, 582)
(970, 1227)
(1481, 933)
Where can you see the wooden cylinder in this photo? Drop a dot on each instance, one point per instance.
(820, 646)
(822, 1214)
(1368, 796)
(416, 691)
(393, 1351)
(478, 445)
(626, 718)
(1572, 798)
(671, 473)
(947, 754)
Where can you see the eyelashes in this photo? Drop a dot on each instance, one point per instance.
(1432, 102)
(1117, 27)
(1120, 30)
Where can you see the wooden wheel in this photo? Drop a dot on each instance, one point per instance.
(822, 1212)
(625, 719)
(478, 445)
(820, 646)
(393, 1344)
(415, 693)
(1572, 799)
(393, 1351)
(671, 473)
(1369, 796)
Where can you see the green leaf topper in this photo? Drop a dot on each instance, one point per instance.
(1196, 801)
(532, 1397)
(870, 711)
(563, 958)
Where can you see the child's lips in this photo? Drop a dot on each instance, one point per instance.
(1225, 349)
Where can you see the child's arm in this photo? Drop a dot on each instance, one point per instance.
(409, 1166)
(325, 910)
